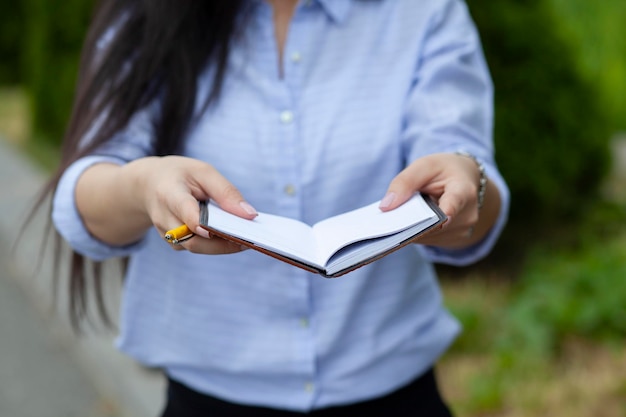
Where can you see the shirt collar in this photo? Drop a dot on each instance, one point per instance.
(336, 9)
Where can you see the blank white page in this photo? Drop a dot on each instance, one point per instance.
(368, 222)
(281, 234)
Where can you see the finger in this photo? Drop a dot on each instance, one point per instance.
(177, 246)
(213, 246)
(410, 180)
(171, 211)
(454, 199)
(187, 209)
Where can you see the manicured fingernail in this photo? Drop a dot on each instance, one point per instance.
(248, 208)
(203, 232)
(387, 200)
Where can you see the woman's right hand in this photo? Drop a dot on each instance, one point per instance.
(119, 203)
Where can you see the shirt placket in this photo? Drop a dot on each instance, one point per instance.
(290, 197)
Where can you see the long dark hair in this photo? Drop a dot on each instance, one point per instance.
(137, 51)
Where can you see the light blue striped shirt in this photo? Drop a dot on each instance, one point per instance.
(368, 87)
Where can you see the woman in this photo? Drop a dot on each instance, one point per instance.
(304, 109)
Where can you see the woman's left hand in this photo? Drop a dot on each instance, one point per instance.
(453, 180)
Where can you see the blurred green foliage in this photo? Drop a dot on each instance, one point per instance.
(551, 133)
(564, 295)
(52, 42)
(598, 31)
(575, 292)
(11, 24)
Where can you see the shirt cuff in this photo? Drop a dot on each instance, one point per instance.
(478, 251)
(67, 219)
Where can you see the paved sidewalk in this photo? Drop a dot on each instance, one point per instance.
(45, 370)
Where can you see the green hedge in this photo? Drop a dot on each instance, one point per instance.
(54, 37)
(551, 135)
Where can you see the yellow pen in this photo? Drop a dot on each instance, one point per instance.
(178, 235)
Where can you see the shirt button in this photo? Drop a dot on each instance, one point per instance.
(304, 322)
(296, 57)
(286, 117)
(290, 189)
(309, 387)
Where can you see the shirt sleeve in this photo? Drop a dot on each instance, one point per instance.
(67, 219)
(450, 109)
(131, 143)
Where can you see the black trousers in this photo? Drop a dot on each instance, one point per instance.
(420, 398)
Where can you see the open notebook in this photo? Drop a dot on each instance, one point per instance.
(333, 246)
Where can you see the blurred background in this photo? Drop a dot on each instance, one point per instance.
(545, 314)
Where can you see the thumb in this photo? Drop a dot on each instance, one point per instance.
(208, 183)
(410, 180)
(226, 195)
